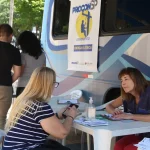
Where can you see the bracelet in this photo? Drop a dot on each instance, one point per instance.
(71, 117)
(57, 115)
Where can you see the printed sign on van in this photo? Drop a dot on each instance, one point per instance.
(83, 35)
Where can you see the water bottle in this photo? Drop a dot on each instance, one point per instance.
(91, 110)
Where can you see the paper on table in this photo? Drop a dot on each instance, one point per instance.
(68, 101)
(144, 144)
(92, 123)
(110, 117)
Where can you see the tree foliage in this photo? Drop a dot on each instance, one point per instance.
(27, 14)
(4, 11)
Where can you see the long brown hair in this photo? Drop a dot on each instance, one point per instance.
(140, 83)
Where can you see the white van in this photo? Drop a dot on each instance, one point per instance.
(124, 41)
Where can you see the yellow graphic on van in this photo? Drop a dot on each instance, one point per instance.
(84, 24)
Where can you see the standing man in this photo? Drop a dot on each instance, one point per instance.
(10, 59)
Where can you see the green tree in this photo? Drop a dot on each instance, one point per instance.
(28, 14)
(4, 11)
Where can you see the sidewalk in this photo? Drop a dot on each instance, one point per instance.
(76, 140)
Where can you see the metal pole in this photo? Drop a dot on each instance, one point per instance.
(11, 12)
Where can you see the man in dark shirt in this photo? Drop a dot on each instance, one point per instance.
(10, 59)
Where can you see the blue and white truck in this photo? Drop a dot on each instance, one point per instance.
(123, 41)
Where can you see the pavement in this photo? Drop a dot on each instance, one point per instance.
(76, 140)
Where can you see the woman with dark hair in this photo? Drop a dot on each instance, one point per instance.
(135, 97)
(32, 56)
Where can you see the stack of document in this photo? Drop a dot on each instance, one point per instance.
(91, 122)
(144, 144)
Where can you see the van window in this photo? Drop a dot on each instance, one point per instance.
(61, 17)
(125, 16)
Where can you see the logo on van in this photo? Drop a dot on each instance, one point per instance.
(81, 8)
(94, 4)
(84, 24)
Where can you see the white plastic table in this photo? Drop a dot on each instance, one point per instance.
(103, 135)
(56, 107)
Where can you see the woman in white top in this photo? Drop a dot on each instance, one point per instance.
(32, 56)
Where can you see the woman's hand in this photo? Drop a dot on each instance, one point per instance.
(123, 116)
(61, 111)
(72, 111)
(117, 112)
